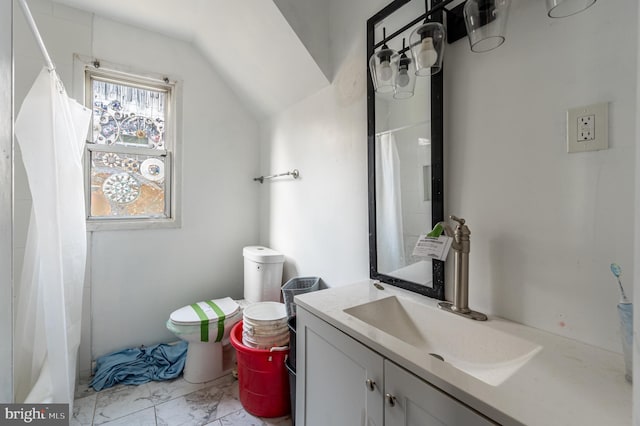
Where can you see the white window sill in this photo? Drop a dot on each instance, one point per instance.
(127, 225)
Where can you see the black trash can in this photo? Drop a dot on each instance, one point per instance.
(292, 390)
(291, 322)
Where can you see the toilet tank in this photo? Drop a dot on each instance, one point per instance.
(262, 274)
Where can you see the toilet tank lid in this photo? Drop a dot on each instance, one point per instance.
(262, 254)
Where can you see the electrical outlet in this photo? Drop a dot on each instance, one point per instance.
(586, 131)
(588, 128)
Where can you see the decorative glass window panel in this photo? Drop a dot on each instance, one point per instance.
(127, 115)
(129, 150)
(128, 185)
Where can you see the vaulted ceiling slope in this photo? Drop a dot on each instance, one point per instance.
(249, 42)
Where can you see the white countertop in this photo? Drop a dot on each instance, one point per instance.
(566, 383)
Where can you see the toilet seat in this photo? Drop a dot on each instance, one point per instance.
(208, 315)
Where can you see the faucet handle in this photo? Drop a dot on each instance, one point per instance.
(457, 219)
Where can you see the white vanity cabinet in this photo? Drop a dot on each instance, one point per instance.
(411, 401)
(337, 378)
(341, 382)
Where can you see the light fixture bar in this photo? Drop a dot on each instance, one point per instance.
(434, 9)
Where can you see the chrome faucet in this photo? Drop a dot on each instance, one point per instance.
(461, 248)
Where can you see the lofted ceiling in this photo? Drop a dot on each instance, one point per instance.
(249, 42)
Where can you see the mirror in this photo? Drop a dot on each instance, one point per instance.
(405, 157)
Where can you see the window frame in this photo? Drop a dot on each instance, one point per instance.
(85, 69)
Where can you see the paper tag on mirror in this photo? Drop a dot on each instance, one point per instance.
(433, 247)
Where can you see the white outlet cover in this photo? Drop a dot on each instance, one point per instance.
(575, 127)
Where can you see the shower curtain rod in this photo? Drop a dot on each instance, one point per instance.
(36, 34)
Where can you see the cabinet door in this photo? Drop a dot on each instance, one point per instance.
(410, 401)
(339, 381)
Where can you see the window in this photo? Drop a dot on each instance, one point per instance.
(130, 156)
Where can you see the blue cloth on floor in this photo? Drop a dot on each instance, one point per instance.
(140, 365)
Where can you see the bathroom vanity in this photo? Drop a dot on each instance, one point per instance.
(388, 356)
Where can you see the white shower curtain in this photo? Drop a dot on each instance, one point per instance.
(51, 130)
(390, 248)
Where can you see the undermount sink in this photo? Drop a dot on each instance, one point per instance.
(475, 348)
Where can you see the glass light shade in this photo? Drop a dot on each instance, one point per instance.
(405, 81)
(564, 8)
(486, 22)
(383, 68)
(427, 48)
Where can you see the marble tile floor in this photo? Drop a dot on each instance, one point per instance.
(168, 403)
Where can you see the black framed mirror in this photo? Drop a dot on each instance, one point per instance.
(405, 160)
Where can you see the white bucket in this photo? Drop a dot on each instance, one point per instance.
(266, 312)
(268, 342)
(265, 325)
(253, 329)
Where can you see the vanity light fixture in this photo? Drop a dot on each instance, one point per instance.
(564, 8)
(427, 47)
(393, 71)
(483, 21)
(383, 68)
(406, 75)
(486, 22)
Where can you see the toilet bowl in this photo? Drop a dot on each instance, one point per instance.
(205, 326)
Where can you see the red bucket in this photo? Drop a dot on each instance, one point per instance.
(263, 380)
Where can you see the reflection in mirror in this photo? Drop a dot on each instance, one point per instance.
(403, 183)
(405, 165)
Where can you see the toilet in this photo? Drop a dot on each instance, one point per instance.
(206, 325)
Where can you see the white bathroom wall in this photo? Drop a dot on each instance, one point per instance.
(545, 224)
(137, 278)
(166, 269)
(6, 203)
(320, 220)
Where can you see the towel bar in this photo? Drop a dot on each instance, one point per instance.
(295, 173)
